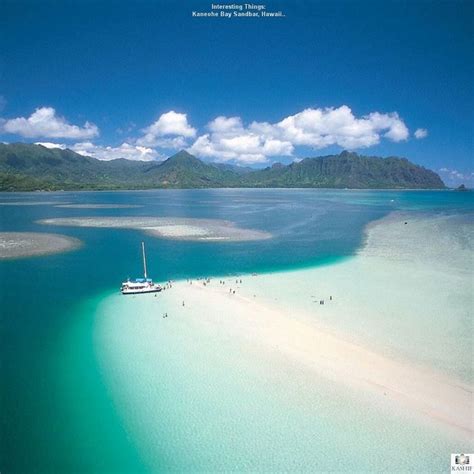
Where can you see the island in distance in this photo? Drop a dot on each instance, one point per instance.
(29, 167)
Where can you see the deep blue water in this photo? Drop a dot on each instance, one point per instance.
(40, 297)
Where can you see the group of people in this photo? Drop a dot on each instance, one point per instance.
(167, 285)
(206, 281)
(322, 301)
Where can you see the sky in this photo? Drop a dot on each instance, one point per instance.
(145, 79)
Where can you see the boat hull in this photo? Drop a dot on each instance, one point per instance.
(139, 292)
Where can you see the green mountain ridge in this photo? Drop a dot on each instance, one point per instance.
(348, 170)
(29, 167)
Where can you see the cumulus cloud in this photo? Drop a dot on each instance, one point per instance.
(125, 150)
(44, 122)
(169, 143)
(228, 139)
(421, 133)
(61, 146)
(107, 153)
(170, 124)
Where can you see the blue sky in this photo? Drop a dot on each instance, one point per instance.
(144, 79)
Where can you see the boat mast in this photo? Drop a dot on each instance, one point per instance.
(144, 259)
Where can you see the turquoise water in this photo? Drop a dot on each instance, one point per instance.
(194, 398)
(58, 414)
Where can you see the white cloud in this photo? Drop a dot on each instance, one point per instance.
(170, 124)
(228, 139)
(125, 150)
(421, 133)
(453, 177)
(320, 128)
(107, 153)
(61, 146)
(170, 143)
(44, 122)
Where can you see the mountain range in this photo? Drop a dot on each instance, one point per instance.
(29, 167)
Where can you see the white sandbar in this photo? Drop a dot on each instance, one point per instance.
(396, 327)
(29, 244)
(425, 391)
(169, 227)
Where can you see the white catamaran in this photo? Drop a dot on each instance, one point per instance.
(140, 285)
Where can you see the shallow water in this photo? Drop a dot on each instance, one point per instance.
(195, 399)
(56, 405)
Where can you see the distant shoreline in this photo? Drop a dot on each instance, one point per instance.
(91, 190)
(32, 167)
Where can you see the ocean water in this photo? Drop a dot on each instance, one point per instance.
(59, 412)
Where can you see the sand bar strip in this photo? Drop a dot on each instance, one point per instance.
(176, 228)
(29, 244)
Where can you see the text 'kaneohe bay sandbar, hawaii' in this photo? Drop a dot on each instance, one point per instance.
(237, 10)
